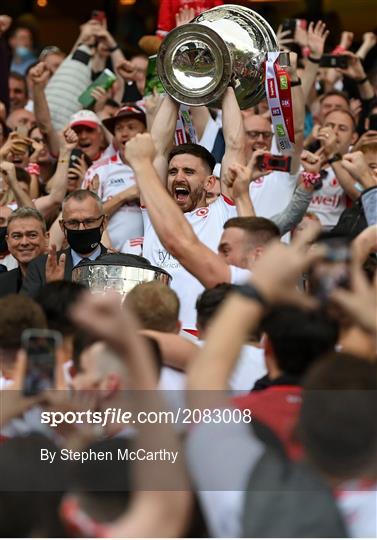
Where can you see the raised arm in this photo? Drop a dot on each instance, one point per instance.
(162, 133)
(52, 201)
(40, 75)
(22, 198)
(316, 37)
(173, 230)
(234, 136)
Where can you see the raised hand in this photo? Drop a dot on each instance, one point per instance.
(284, 39)
(312, 162)
(346, 39)
(355, 69)
(100, 95)
(126, 70)
(357, 167)
(184, 16)
(327, 137)
(140, 148)
(40, 74)
(69, 139)
(54, 268)
(317, 35)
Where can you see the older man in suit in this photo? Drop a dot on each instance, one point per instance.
(83, 222)
(27, 239)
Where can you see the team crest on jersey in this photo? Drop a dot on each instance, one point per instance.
(334, 182)
(202, 212)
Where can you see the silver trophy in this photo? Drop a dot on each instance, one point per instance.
(117, 272)
(222, 46)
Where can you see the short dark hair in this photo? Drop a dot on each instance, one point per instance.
(209, 302)
(335, 93)
(263, 230)
(24, 212)
(18, 313)
(21, 78)
(82, 195)
(195, 150)
(299, 337)
(56, 299)
(336, 425)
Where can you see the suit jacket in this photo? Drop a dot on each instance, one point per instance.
(36, 272)
(10, 282)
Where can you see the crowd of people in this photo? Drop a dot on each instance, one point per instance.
(271, 309)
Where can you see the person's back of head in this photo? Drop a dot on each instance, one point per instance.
(17, 313)
(56, 299)
(208, 304)
(337, 424)
(155, 305)
(296, 338)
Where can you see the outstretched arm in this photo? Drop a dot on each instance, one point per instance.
(173, 230)
(162, 132)
(234, 135)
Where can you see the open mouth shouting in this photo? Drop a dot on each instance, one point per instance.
(181, 193)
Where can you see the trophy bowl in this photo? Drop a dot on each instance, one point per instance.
(226, 45)
(117, 272)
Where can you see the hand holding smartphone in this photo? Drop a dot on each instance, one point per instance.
(40, 346)
(269, 162)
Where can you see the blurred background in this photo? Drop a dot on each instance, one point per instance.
(55, 22)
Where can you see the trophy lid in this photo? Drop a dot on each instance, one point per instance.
(192, 64)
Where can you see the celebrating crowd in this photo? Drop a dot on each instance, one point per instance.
(271, 310)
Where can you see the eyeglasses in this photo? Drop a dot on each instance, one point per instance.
(267, 135)
(74, 224)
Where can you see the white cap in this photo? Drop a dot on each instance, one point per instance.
(84, 118)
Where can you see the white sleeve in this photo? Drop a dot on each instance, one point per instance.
(238, 276)
(221, 458)
(209, 135)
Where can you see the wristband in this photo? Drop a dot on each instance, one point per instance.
(249, 291)
(33, 168)
(112, 49)
(361, 81)
(311, 179)
(358, 186)
(296, 83)
(313, 60)
(339, 50)
(336, 157)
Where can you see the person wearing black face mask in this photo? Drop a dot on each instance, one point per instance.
(83, 222)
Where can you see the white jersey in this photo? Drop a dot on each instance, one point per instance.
(115, 176)
(272, 193)
(329, 201)
(207, 223)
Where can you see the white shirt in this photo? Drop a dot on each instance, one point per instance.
(272, 193)
(114, 177)
(329, 201)
(207, 223)
(9, 261)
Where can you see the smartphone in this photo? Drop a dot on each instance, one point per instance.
(334, 61)
(292, 24)
(333, 270)
(152, 80)
(22, 131)
(99, 16)
(40, 346)
(373, 122)
(105, 80)
(269, 162)
(76, 154)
